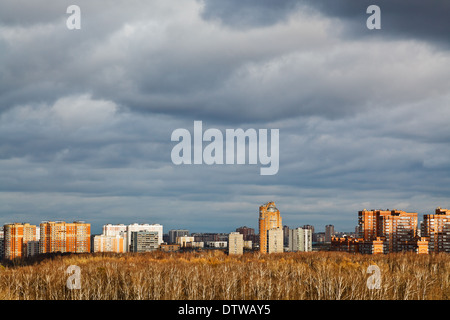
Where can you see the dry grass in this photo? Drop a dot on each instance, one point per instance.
(214, 275)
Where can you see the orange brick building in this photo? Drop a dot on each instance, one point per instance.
(395, 228)
(269, 218)
(16, 237)
(384, 231)
(437, 228)
(60, 236)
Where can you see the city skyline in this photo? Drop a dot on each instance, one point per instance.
(99, 229)
(86, 116)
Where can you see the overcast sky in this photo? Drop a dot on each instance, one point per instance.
(86, 115)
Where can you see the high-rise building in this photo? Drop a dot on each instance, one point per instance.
(329, 232)
(104, 243)
(437, 228)
(395, 228)
(235, 243)
(300, 239)
(269, 218)
(174, 234)
(144, 241)
(399, 228)
(59, 236)
(275, 241)
(16, 237)
(143, 227)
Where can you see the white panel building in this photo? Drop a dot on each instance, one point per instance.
(135, 227)
(300, 239)
(114, 230)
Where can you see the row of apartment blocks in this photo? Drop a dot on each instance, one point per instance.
(24, 239)
(19, 240)
(389, 231)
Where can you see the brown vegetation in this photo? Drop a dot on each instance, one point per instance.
(214, 275)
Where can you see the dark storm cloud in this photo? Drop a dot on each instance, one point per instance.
(415, 19)
(161, 65)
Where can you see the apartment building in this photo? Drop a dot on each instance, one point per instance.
(270, 219)
(135, 227)
(59, 236)
(436, 227)
(16, 237)
(144, 241)
(300, 240)
(109, 243)
(275, 240)
(235, 243)
(395, 228)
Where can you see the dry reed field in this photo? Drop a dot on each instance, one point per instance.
(213, 275)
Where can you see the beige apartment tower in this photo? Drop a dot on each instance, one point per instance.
(275, 240)
(235, 243)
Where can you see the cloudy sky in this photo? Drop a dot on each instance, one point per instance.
(86, 115)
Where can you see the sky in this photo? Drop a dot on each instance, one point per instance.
(86, 116)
